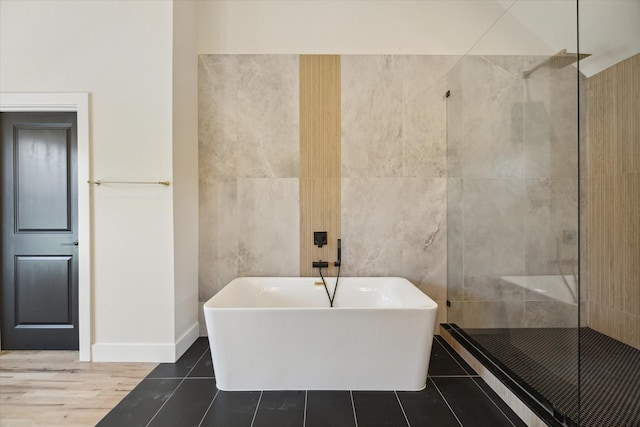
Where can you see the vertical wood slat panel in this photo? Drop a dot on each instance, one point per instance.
(614, 201)
(320, 162)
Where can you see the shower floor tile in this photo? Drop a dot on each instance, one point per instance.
(185, 394)
(556, 362)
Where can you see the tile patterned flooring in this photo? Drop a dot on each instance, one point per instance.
(185, 394)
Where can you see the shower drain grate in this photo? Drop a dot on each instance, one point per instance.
(546, 360)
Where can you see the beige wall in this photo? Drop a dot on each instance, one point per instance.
(614, 202)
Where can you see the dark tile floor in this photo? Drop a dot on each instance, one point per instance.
(185, 394)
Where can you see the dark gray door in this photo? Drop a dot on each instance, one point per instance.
(39, 231)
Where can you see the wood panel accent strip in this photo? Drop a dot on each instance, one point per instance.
(614, 202)
(320, 162)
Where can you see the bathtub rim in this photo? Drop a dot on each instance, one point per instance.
(428, 302)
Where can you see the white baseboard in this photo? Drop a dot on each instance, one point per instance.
(155, 353)
(203, 323)
(185, 341)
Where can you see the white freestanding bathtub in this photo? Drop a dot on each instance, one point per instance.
(275, 333)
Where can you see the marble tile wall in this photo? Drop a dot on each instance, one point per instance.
(512, 190)
(248, 117)
(393, 168)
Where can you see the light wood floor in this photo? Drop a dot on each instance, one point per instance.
(52, 388)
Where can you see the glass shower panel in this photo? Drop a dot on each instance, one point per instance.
(513, 198)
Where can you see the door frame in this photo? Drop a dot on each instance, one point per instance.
(78, 103)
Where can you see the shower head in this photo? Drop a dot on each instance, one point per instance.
(557, 61)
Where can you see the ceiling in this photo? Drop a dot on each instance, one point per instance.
(609, 30)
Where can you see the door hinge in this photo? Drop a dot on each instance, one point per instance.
(448, 303)
(448, 94)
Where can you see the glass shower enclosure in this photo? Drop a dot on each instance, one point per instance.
(543, 209)
(513, 202)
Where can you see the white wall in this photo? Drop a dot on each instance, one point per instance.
(185, 170)
(609, 29)
(344, 27)
(121, 53)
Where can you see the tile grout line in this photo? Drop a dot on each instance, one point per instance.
(256, 411)
(304, 419)
(447, 403)
(212, 369)
(178, 378)
(208, 408)
(456, 360)
(474, 377)
(165, 402)
(401, 407)
(196, 364)
(353, 406)
(174, 390)
(494, 403)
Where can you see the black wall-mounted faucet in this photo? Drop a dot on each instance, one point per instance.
(319, 238)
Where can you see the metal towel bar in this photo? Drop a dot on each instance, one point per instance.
(100, 182)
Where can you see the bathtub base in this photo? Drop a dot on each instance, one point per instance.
(322, 350)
